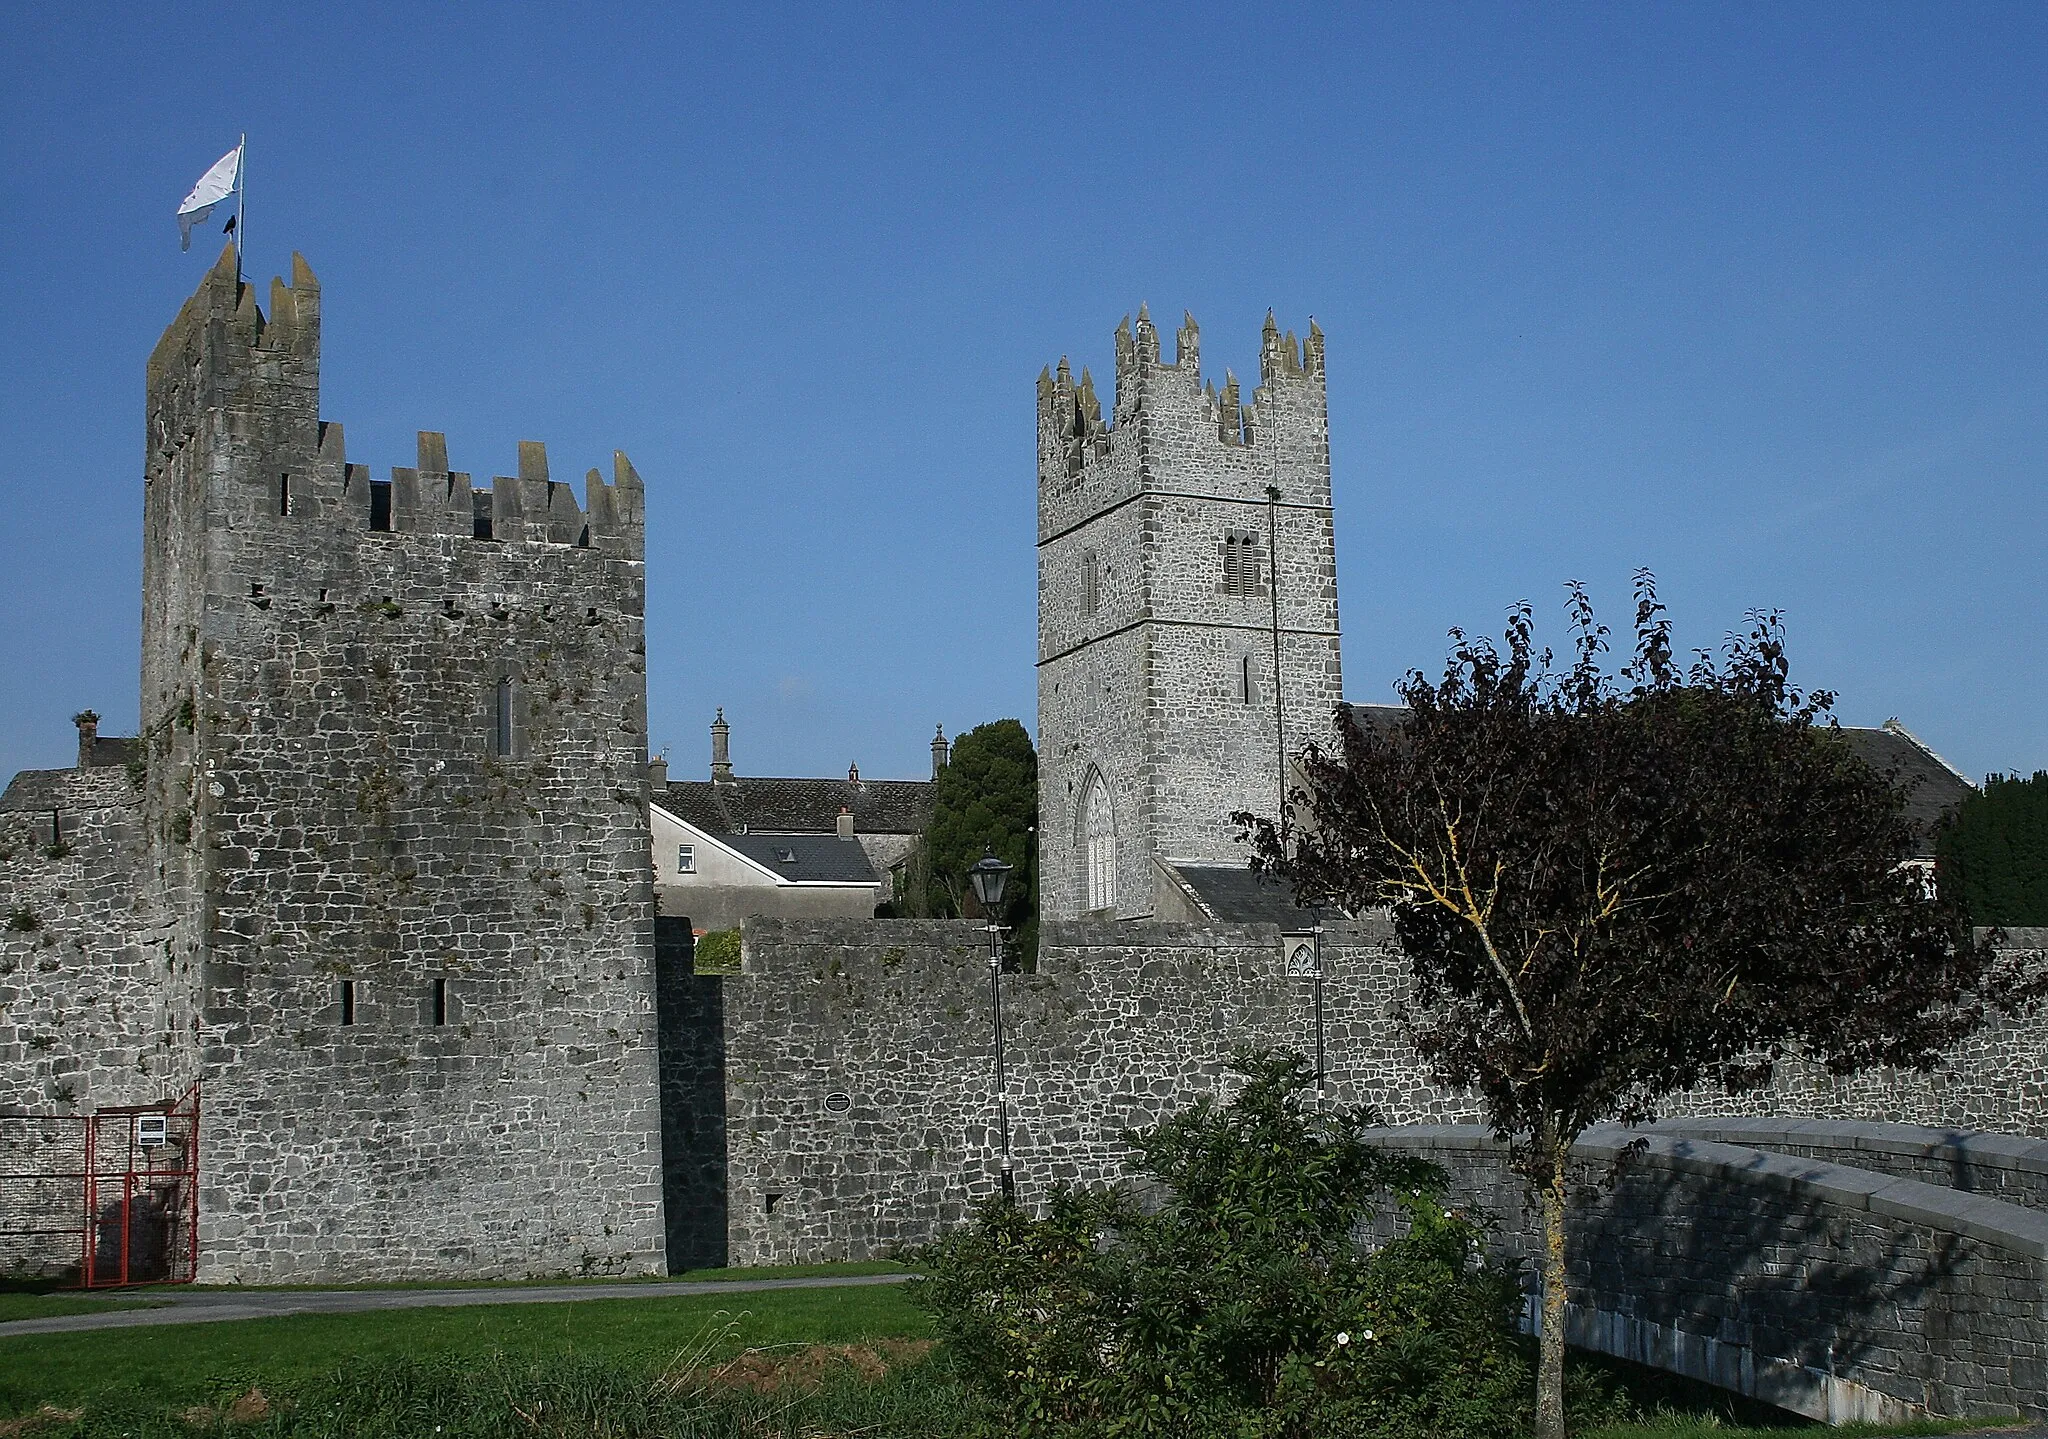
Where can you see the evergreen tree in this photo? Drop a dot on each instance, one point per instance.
(1993, 852)
(984, 801)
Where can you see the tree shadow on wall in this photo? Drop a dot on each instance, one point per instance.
(1748, 1260)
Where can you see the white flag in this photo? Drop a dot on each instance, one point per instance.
(213, 187)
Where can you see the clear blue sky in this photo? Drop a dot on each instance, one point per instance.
(1753, 295)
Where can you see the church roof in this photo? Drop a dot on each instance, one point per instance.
(1232, 894)
(801, 806)
(1931, 786)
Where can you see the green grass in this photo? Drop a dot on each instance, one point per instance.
(17, 1305)
(171, 1368)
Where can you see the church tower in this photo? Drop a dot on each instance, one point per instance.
(1187, 610)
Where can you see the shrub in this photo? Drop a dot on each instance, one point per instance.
(23, 919)
(1240, 1303)
(719, 952)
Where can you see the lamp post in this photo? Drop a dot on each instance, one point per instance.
(988, 876)
(1316, 913)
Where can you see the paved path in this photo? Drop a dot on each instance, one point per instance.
(218, 1306)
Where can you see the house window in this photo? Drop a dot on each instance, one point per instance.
(686, 859)
(1090, 592)
(348, 1001)
(1098, 834)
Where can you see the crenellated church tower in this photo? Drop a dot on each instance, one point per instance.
(1187, 610)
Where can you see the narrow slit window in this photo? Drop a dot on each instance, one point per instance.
(1090, 583)
(284, 494)
(1230, 563)
(380, 504)
(501, 737)
(440, 1001)
(348, 1001)
(1245, 693)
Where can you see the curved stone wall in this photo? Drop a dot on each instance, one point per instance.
(1833, 1291)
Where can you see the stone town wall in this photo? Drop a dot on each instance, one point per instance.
(88, 1014)
(1838, 1293)
(1120, 1026)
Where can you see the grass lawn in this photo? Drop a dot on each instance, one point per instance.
(24, 1305)
(204, 1363)
(590, 1367)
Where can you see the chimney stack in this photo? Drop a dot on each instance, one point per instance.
(88, 734)
(941, 752)
(721, 762)
(657, 774)
(845, 824)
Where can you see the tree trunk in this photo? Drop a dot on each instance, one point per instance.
(1550, 1357)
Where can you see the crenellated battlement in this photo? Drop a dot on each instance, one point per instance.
(235, 441)
(1074, 434)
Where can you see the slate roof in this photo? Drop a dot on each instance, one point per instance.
(806, 858)
(801, 806)
(1232, 894)
(1931, 787)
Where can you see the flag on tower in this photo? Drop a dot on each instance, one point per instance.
(214, 186)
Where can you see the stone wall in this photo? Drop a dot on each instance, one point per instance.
(1121, 1025)
(1829, 1290)
(88, 1016)
(2005, 1167)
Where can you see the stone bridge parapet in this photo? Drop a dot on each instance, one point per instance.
(1831, 1290)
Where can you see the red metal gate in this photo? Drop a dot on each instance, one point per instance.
(101, 1200)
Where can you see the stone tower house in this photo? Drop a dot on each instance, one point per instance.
(1185, 545)
(395, 807)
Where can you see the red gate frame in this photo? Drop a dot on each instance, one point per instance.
(181, 1269)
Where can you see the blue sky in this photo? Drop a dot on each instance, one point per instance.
(1753, 295)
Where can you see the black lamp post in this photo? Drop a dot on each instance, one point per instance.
(988, 876)
(1316, 913)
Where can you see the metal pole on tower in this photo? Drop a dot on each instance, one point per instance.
(241, 201)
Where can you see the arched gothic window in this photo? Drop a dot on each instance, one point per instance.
(1098, 843)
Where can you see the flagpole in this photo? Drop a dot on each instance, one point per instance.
(241, 201)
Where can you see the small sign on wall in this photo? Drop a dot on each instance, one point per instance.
(838, 1102)
(1299, 951)
(152, 1131)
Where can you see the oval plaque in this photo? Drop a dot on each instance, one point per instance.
(838, 1102)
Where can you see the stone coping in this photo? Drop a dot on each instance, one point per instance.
(2008, 1226)
(1974, 1147)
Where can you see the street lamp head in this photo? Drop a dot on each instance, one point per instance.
(988, 876)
